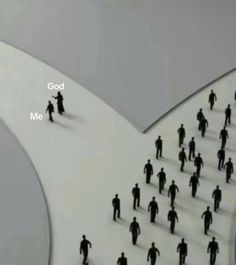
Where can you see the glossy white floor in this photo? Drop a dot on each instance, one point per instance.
(91, 153)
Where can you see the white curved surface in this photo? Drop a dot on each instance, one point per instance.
(141, 57)
(92, 153)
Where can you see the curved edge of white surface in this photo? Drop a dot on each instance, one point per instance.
(27, 229)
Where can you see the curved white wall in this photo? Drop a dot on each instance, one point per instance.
(141, 57)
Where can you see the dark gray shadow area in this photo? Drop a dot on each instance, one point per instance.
(24, 225)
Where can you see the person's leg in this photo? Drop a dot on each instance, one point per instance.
(114, 214)
(215, 205)
(180, 259)
(134, 203)
(160, 187)
(118, 213)
(138, 201)
(205, 228)
(157, 154)
(161, 152)
(219, 164)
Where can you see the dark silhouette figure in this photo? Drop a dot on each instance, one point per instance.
(181, 132)
(60, 107)
(203, 125)
(212, 99)
(50, 110)
(192, 146)
(182, 248)
(207, 215)
(152, 254)
(217, 196)
(182, 159)
(135, 230)
(162, 179)
(153, 209)
(198, 163)
(227, 115)
(235, 96)
(194, 183)
(159, 145)
(223, 136)
(148, 170)
(200, 115)
(213, 248)
(136, 195)
(172, 192)
(116, 207)
(229, 167)
(84, 247)
(221, 158)
(172, 217)
(122, 260)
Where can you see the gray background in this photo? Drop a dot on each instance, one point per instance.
(24, 225)
(141, 57)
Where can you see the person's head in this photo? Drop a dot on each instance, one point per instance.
(213, 238)
(182, 148)
(136, 185)
(153, 198)
(116, 195)
(200, 109)
(224, 127)
(159, 137)
(162, 169)
(194, 174)
(58, 93)
(173, 208)
(192, 138)
(212, 91)
(217, 187)
(84, 237)
(149, 160)
(49, 101)
(173, 182)
(230, 159)
(208, 207)
(134, 218)
(199, 154)
(183, 240)
(182, 125)
(153, 244)
(228, 105)
(122, 254)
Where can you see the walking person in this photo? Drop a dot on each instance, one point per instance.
(208, 220)
(200, 115)
(182, 159)
(158, 145)
(192, 146)
(152, 254)
(172, 192)
(135, 230)
(182, 248)
(122, 260)
(172, 217)
(148, 170)
(60, 106)
(212, 99)
(213, 249)
(227, 115)
(136, 195)
(229, 167)
(162, 179)
(198, 163)
(153, 209)
(181, 132)
(194, 183)
(84, 247)
(221, 158)
(116, 207)
(203, 125)
(223, 136)
(217, 196)
(50, 110)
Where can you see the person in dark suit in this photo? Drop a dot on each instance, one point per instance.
(227, 115)
(152, 254)
(217, 196)
(200, 115)
(229, 167)
(84, 247)
(153, 209)
(136, 195)
(194, 183)
(182, 248)
(182, 159)
(172, 217)
(208, 220)
(135, 230)
(198, 163)
(213, 249)
(212, 99)
(122, 260)
(223, 136)
(50, 110)
(60, 106)
(162, 179)
(148, 170)
(116, 207)
(221, 158)
(181, 132)
(172, 192)
(159, 145)
(203, 125)
(192, 146)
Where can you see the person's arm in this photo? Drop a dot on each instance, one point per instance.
(80, 250)
(213, 194)
(152, 171)
(139, 230)
(202, 163)
(149, 207)
(211, 219)
(176, 216)
(148, 255)
(118, 261)
(144, 170)
(90, 244)
(158, 251)
(217, 249)
(169, 192)
(177, 188)
(208, 248)
(130, 227)
(157, 208)
(178, 248)
(202, 215)
(215, 97)
(190, 183)
(232, 168)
